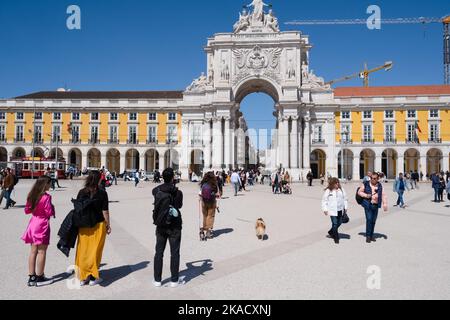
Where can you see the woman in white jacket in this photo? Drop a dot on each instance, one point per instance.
(334, 204)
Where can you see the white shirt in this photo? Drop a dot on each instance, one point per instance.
(235, 178)
(334, 201)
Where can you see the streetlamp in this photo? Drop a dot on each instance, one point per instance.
(343, 143)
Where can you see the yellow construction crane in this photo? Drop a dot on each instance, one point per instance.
(445, 21)
(365, 73)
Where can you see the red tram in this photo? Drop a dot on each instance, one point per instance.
(24, 167)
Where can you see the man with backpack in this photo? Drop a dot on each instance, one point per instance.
(372, 197)
(8, 185)
(168, 221)
(400, 187)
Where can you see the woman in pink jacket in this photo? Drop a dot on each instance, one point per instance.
(39, 204)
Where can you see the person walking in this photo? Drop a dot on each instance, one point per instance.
(435, 183)
(236, 181)
(373, 199)
(91, 241)
(168, 198)
(310, 178)
(208, 197)
(37, 235)
(442, 187)
(136, 178)
(400, 187)
(334, 205)
(8, 185)
(2, 190)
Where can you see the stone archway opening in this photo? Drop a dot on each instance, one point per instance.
(345, 165)
(37, 153)
(113, 160)
(197, 162)
(412, 161)
(3, 157)
(389, 163)
(172, 160)
(318, 163)
(52, 154)
(434, 161)
(367, 162)
(151, 160)
(132, 160)
(94, 160)
(75, 158)
(18, 153)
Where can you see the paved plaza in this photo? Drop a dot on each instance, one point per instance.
(296, 262)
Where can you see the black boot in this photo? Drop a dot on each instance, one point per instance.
(368, 240)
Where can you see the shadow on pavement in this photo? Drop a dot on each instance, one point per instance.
(218, 233)
(196, 269)
(375, 235)
(115, 274)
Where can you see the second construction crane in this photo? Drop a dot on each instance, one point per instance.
(445, 21)
(365, 73)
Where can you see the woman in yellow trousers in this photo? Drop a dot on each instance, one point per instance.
(91, 241)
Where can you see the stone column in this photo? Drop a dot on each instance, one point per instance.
(284, 142)
(307, 144)
(227, 143)
(207, 143)
(445, 164)
(400, 164)
(379, 163)
(103, 161)
(123, 165)
(142, 162)
(294, 143)
(162, 164)
(356, 163)
(184, 154)
(217, 144)
(423, 165)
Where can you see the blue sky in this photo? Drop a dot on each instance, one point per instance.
(158, 45)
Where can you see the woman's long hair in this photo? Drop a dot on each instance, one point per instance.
(332, 183)
(39, 189)
(210, 179)
(92, 182)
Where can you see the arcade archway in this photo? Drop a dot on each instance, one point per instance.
(132, 160)
(113, 160)
(151, 160)
(75, 158)
(318, 163)
(94, 159)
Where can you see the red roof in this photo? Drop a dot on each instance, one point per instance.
(392, 91)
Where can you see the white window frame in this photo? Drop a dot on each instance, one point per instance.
(35, 132)
(73, 118)
(20, 118)
(91, 133)
(408, 116)
(348, 135)
(38, 113)
(349, 116)
(2, 115)
(110, 135)
(438, 114)
(75, 129)
(364, 115)
(55, 117)
(133, 113)
(149, 136)
(111, 116)
(16, 132)
(175, 138)
(413, 132)
(2, 133)
(386, 131)
(129, 133)
(53, 132)
(172, 113)
(92, 116)
(364, 132)
(438, 133)
(389, 118)
(152, 113)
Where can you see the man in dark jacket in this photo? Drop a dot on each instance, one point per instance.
(8, 186)
(172, 232)
(435, 184)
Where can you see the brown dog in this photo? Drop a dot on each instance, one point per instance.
(260, 229)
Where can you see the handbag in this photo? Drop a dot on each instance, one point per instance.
(345, 217)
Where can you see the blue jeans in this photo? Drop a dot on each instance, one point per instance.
(236, 187)
(8, 198)
(400, 201)
(371, 220)
(336, 223)
(436, 194)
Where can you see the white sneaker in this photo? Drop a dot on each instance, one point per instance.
(95, 282)
(157, 284)
(177, 284)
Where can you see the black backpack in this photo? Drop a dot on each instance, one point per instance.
(84, 215)
(161, 212)
(359, 199)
